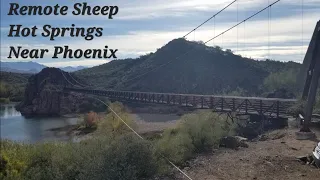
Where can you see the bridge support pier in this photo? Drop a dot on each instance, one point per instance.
(312, 79)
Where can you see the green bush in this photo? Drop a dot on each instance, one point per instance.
(124, 157)
(112, 124)
(177, 146)
(128, 158)
(195, 133)
(205, 129)
(113, 154)
(14, 159)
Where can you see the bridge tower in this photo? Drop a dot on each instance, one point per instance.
(310, 75)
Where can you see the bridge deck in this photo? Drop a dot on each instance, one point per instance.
(271, 107)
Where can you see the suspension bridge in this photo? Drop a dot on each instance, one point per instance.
(268, 107)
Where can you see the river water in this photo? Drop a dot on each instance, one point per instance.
(15, 127)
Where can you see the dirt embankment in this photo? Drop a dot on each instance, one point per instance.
(273, 158)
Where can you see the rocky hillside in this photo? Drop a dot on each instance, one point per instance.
(205, 70)
(44, 95)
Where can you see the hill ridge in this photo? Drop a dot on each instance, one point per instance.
(207, 70)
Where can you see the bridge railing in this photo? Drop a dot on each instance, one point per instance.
(273, 107)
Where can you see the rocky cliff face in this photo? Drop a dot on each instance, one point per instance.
(44, 95)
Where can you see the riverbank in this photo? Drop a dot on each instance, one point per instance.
(146, 123)
(193, 143)
(113, 149)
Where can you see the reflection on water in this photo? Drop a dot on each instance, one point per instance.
(8, 111)
(16, 127)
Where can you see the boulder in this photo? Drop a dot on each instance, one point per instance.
(233, 142)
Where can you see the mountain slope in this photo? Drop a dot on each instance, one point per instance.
(31, 67)
(22, 67)
(204, 70)
(72, 69)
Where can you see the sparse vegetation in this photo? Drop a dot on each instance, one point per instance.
(109, 156)
(195, 133)
(113, 152)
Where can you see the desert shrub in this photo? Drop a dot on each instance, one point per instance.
(127, 158)
(195, 133)
(115, 154)
(52, 161)
(112, 124)
(176, 146)
(14, 159)
(205, 129)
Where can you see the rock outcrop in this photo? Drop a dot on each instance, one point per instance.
(44, 95)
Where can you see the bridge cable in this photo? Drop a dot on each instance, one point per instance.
(269, 14)
(244, 39)
(222, 41)
(136, 133)
(206, 42)
(238, 27)
(76, 80)
(302, 23)
(214, 29)
(66, 78)
(209, 18)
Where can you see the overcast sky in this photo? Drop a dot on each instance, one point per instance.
(142, 26)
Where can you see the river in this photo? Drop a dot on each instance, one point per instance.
(17, 128)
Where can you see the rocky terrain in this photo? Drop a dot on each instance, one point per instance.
(44, 95)
(273, 157)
